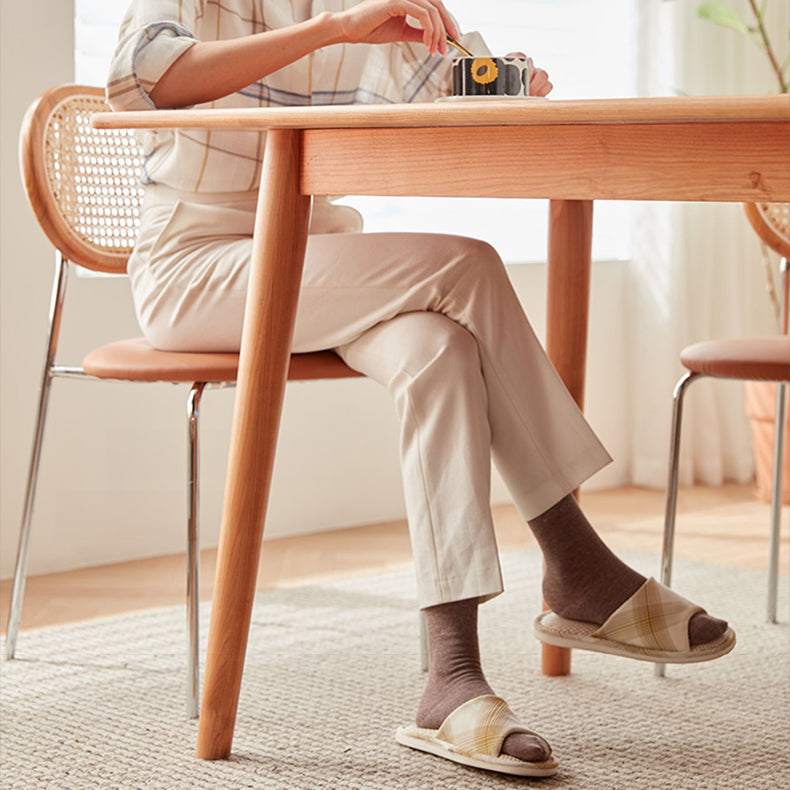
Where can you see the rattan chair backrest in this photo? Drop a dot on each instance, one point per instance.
(83, 184)
(771, 222)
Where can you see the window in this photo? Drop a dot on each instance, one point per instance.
(587, 47)
(96, 24)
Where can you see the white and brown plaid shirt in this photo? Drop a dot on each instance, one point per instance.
(155, 33)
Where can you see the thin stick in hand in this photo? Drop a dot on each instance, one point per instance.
(459, 46)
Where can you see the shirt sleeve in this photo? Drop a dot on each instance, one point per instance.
(154, 34)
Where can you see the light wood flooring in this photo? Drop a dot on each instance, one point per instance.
(723, 525)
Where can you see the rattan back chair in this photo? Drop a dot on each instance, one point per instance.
(748, 359)
(84, 188)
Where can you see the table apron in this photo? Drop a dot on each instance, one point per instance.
(728, 161)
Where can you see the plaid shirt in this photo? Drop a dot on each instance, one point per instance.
(155, 33)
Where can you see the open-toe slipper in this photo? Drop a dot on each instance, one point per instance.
(473, 734)
(652, 625)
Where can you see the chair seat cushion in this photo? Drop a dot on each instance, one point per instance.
(750, 358)
(138, 360)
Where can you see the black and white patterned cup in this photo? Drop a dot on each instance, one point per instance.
(490, 76)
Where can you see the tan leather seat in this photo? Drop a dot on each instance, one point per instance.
(748, 358)
(137, 360)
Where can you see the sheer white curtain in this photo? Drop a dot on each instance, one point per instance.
(696, 270)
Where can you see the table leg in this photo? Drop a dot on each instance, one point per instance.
(568, 298)
(275, 276)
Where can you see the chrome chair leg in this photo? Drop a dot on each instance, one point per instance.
(23, 549)
(776, 500)
(672, 488)
(193, 553)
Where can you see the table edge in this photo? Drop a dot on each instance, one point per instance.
(660, 110)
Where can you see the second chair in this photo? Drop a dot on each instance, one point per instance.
(748, 359)
(83, 187)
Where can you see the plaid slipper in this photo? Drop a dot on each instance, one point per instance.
(473, 734)
(652, 625)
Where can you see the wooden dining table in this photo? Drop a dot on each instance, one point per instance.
(569, 152)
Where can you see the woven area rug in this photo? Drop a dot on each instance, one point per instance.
(332, 669)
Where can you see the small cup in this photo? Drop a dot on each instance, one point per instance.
(490, 76)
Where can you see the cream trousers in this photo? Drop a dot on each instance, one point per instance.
(435, 320)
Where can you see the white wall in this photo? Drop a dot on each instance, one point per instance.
(112, 481)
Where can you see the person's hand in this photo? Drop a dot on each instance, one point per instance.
(539, 84)
(384, 21)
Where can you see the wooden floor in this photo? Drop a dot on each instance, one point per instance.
(724, 525)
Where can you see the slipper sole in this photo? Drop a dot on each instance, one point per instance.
(555, 630)
(425, 740)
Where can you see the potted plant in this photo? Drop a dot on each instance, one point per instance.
(722, 15)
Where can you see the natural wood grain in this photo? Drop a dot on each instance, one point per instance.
(661, 110)
(568, 290)
(568, 297)
(555, 661)
(277, 260)
(720, 162)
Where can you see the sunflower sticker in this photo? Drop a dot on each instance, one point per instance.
(491, 76)
(484, 71)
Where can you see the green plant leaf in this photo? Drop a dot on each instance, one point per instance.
(721, 15)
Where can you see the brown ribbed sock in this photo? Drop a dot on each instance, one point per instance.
(584, 580)
(455, 675)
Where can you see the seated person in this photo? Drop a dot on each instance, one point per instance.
(431, 317)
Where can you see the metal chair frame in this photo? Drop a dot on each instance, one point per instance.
(54, 370)
(667, 553)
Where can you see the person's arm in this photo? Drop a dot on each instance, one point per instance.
(209, 70)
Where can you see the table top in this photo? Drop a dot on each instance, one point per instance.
(722, 148)
(514, 112)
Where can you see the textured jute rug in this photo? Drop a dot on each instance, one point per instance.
(332, 669)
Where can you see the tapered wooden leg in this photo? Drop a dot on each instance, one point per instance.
(275, 275)
(568, 299)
